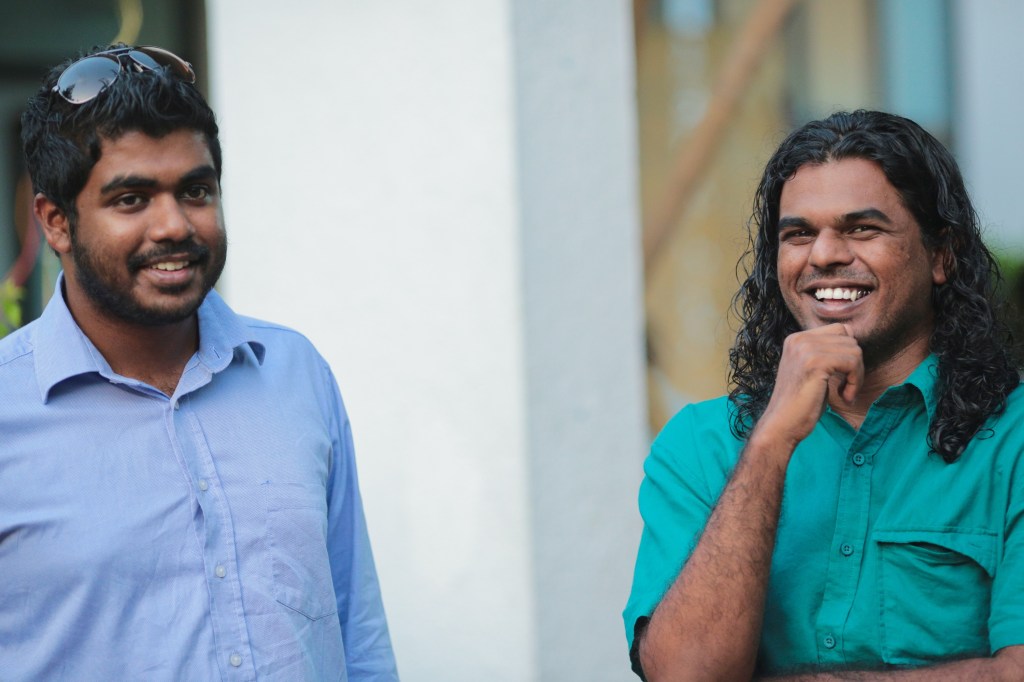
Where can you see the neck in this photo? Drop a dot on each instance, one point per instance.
(878, 376)
(156, 355)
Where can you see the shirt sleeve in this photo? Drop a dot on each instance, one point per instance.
(368, 653)
(1006, 620)
(682, 481)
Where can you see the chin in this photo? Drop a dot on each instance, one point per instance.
(159, 315)
(156, 311)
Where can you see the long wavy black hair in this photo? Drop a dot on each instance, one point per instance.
(976, 359)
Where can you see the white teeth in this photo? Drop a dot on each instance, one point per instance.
(171, 265)
(840, 294)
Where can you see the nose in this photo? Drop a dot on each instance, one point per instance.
(169, 220)
(830, 249)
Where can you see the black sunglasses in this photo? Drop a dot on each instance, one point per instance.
(89, 76)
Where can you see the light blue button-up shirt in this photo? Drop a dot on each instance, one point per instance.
(216, 534)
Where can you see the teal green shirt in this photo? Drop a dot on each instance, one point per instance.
(885, 556)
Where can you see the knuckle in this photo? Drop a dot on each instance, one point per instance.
(795, 341)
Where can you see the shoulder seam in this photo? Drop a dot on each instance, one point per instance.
(27, 351)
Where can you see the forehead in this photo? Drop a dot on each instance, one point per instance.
(136, 153)
(839, 187)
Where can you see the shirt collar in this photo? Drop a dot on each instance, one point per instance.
(925, 378)
(62, 351)
(221, 331)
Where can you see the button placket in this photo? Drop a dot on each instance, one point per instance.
(849, 537)
(216, 536)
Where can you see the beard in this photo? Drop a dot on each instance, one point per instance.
(100, 281)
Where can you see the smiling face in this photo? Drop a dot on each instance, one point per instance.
(148, 243)
(850, 252)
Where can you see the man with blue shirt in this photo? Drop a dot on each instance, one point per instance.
(178, 492)
(854, 509)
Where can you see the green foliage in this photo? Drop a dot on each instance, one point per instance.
(1012, 268)
(10, 307)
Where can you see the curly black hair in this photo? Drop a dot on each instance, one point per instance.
(976, 360)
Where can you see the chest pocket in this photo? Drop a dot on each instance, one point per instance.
(935, 591)
(297, 542)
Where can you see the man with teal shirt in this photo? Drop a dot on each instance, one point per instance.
(854, 509)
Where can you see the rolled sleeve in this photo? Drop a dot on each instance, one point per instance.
(1006, 621)
(684, 475)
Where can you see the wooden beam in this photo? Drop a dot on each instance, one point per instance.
(756, 36)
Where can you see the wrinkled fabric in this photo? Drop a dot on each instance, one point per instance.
(215, 534)
(886, 556)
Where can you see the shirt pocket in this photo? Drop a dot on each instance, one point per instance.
(297, 543)
(935, 593)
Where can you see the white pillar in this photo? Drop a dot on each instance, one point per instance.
(441, 195)
(586, 411)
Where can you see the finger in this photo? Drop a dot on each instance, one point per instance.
(853, 381)
(835, 329)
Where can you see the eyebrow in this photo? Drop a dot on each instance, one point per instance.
(119, 182)
(845, 219)
(866, 214)
(205, 172)
(792, 221)
(127, 182)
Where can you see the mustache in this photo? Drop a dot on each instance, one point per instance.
(194, 252)
(838, 273)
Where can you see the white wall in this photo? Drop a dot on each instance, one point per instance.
(442, 196)
(989, 102)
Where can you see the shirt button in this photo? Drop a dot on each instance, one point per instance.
(220, 571)
(235, 660)
(858, 459)
(177, 406)
(846, 549)
(203, 485)
(829, 642)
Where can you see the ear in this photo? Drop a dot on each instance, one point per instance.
(55, 223)
(942, 262)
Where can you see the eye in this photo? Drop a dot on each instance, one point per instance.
(862, 229)
(196, 193)
(129, 201)
(796, 235)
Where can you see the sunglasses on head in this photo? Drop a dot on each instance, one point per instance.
(89, 76)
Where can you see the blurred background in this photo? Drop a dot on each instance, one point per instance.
(512, 228)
